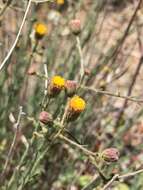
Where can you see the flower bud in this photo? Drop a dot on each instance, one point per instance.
(32, 70)
(76, 105)
(110, 155)
(40, 30)
(45, 117)
(87, 72)
(70, 87)
(75, 26)
(57, 83)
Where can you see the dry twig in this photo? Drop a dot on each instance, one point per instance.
(17, 37)
(17, 125)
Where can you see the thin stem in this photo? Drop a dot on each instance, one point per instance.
(107, 93)
(17, 37)
(121, 177)
(130, 89)
(86, 151)
(9, 156)
(132, 174)
(46, 88)
(91, 155)
(115, 177)
(81, 60)
(22, 159)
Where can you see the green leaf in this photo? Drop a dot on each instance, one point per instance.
(122, 186)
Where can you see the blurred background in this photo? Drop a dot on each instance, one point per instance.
(111, 40)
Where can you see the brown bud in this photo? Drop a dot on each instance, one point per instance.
(32, 70)
(110, 155)
(87, 72)
(75, 26)
(45, 117)
(70, 87)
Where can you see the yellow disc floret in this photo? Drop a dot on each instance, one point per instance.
(40, 29)
(77, 104)
(60, 2)
(58, 82)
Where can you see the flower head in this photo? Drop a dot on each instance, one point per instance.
(40, 30)
(60, 2)
(57, 83)
(77, 104)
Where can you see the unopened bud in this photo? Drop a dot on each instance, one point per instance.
(32, 70)
(87, 72)
(110, 155)
(70, 87)
(45, 117)
(75, 26)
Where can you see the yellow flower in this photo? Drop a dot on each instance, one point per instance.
(40, 30)
(58, 81)
(77, 104)
(60, 2)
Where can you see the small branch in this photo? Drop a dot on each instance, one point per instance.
(17, 37)
(111, 94)
(132, 174)
(46, 80)
(130, 89)
(115, 177)
(86, 151)
(5, 7)
(46, 88)
(98, 91)
(120, 45)
(119, 177)
(91, 155)
(81, 59)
